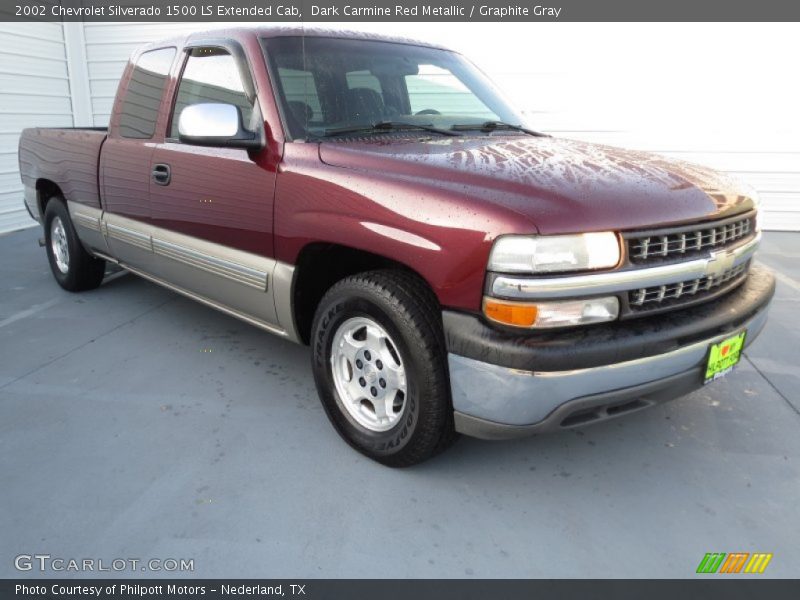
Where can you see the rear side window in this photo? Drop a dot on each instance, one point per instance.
(302, 96)
(363, 79)
(211, 75)
(143, 97)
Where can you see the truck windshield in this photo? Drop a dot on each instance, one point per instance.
(327, 85)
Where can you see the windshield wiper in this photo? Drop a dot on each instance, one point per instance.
(489, 126)
(388, 126)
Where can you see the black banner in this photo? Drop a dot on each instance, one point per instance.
(708, 588)
(396, 10)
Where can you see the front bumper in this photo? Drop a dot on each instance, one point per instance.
(508, 385)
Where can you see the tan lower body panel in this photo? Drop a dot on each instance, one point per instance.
(89, 224)
(251, 287)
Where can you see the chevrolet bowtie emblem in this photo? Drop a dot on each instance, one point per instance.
(719, 262)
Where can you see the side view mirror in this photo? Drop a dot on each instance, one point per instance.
(216, 124)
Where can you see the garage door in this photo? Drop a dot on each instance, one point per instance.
(34, 91)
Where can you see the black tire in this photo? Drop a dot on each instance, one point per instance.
(83, 271)
(407, 310)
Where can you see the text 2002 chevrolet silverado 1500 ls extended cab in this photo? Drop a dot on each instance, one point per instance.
(380, 201)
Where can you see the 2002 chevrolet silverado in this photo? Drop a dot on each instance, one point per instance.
(451, 269)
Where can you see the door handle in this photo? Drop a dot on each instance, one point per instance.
(161, 174)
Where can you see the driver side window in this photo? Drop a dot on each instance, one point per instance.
(210, 75)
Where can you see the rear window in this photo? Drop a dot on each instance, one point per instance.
(302, 95)
(142, 100)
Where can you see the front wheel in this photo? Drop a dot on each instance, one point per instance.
(73, 267)
(379, 366)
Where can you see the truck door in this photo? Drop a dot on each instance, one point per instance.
(125, 166)
(211, 208)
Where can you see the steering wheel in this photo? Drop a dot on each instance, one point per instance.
(428, 111)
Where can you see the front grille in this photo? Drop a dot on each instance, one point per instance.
(684, 242)
(686, 292)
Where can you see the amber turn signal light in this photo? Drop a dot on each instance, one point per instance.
(510, 313)
(553, 313)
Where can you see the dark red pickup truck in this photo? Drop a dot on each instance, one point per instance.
(378, 199)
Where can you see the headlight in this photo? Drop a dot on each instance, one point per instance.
(553, 253)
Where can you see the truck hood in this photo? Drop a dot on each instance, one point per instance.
(559, 185)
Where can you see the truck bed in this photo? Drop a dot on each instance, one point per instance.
(67, 157)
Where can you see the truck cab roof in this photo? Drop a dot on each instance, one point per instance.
(269, 31)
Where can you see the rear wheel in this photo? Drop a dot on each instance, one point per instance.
(73, 267)
(379, 366)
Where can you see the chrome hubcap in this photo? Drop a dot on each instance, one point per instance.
(368, 373)
(58, 243)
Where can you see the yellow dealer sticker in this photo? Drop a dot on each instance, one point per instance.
(723, 356)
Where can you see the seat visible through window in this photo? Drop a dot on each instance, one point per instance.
(365, 105)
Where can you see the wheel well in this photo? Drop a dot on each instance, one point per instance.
(319, 266)
(45, 190)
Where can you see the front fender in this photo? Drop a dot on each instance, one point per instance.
(441, 234)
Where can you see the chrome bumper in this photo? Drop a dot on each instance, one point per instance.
(495, 402)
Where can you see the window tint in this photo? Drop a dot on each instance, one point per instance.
(211, 75)
(143, 97)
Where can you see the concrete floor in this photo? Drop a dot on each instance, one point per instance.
(135, 423)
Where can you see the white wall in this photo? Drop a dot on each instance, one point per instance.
(34, 90)
(725, 95)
